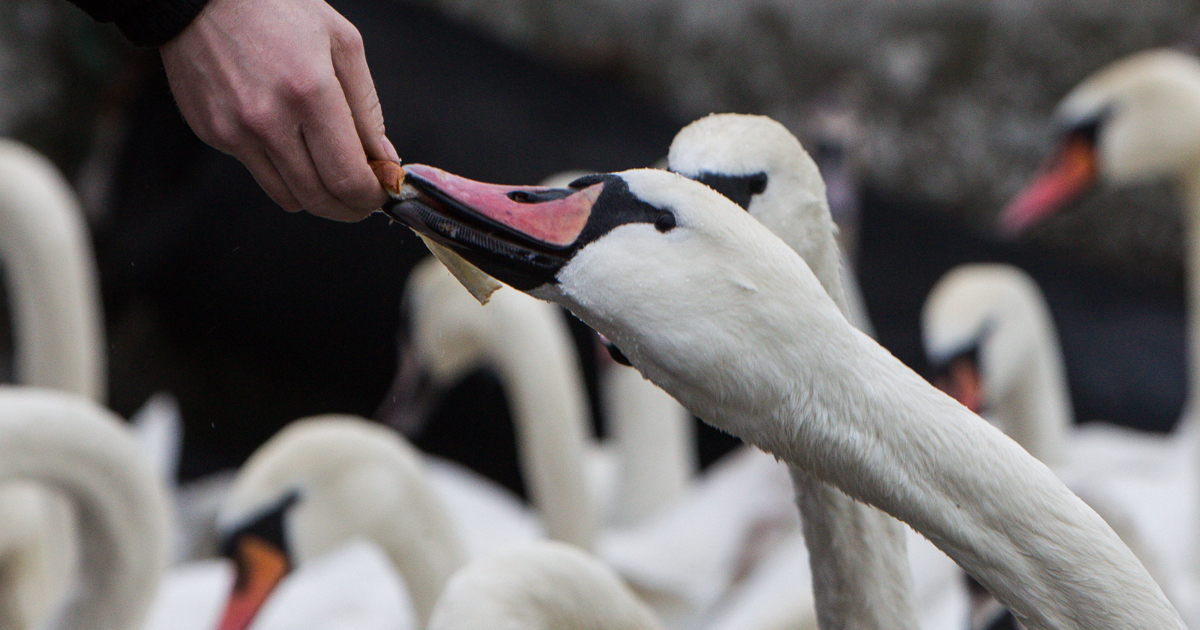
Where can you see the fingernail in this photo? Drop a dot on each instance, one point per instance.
(390, 150)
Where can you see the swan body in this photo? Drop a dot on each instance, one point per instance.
(720, 313)
(544, 586)
(70, 447)
(51, 274)
(323, 482)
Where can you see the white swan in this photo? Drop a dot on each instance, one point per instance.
(529, 345)
(51, 274)
(681, 567)
(720, 313)
(988, 328)
(857, 553)
(118, 527)
(989, 322)
(544, 586)
(320, 483)
(1135, 120)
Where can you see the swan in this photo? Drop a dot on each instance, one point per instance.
(529, 345)
(547, 585)
(109, 524)
(646, 464)
(988, 322)
(857, 553)
(988, 329)
(683, 569)
(320, 483)
(1135, 120)
(50, 271)
(716, 310)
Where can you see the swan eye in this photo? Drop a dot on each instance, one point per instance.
(757, 184)
(665, 222)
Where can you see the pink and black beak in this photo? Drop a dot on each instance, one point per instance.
(1066, 176)
(520, 235)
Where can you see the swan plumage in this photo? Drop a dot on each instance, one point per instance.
(720, 313)
(51, 273)
(993, 317)
(71, 447)
(543, 586)
(323, 482)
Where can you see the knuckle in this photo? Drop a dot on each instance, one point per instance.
(353, 190)
(347, 40)
(257, 118)
(301, 89)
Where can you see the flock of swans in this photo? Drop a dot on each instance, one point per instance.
(719, 280)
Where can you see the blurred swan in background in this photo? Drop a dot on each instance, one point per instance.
(547, 585)
(1138, 120)
(989, 335)
(51, 275)
(87, 549)
(315, 486)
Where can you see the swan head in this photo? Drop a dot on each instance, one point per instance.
(976, 325)
(680, 278)
(759, 165)
(1133, 121)
(315, 486)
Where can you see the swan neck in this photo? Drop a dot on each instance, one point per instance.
(544, 388)
(1037, 411)
(1003, 516)
(81, 451)
(50, 270)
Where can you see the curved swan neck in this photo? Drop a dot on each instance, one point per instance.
(353, 478)
(545, 586)
(51, 274)
(534, 353)
(999, 513)
(82, 451)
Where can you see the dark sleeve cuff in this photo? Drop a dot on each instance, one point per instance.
(156, 22)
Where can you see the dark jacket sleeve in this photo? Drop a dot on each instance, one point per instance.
(145, 22)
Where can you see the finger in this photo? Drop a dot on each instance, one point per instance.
(337, 152)
(350, 67)
(267, 176)
(290, 154)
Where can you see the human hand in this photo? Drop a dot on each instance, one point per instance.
(283, 85)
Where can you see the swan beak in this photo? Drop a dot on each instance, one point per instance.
(261, 565)
(960, 379)
(521, 235)
(1066, 176)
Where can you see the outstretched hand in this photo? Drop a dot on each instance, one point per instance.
(283, 85)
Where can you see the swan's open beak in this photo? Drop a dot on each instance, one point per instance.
(261, 565)
(1066, 176)
(521, 235)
